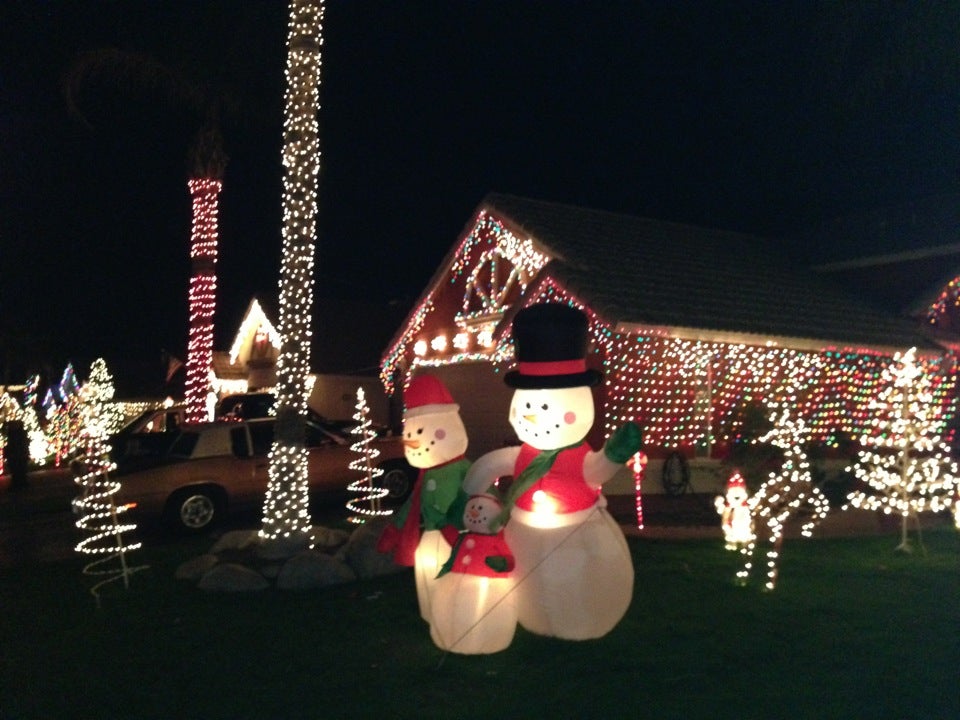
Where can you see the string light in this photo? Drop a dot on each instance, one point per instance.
(502, 265)
(903, 461)
(638, 464)
(364, 464)
(686, 394)
(735, 514)
(201, 297)
(286, 513)
(99, 513)
(781, 496)
(255, 323)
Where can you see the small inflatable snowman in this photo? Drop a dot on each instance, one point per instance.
(734, 513)
(434, 440)
(472, 603)
(574, 574)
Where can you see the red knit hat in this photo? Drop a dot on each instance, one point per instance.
(427, 395)
(736, 480)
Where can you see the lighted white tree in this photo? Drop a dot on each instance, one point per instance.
(904, 464)
(785, 492)
(368, 504)
(99, 513)
(286, 512)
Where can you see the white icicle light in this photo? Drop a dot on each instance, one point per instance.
(287, 507)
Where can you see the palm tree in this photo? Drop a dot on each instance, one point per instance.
(286, 516)
(115, 69)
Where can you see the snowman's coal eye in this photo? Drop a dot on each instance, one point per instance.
(528, 406)
(544, 406)
(419, 431)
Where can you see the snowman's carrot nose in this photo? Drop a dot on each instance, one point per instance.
(412, 444)
(530, 418)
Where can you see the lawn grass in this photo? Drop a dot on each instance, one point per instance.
(854, 629)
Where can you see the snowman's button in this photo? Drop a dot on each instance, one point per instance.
(431, 484)
(470, 542)
(466, 560)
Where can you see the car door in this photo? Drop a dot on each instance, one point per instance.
(261, 434)
(330, 457)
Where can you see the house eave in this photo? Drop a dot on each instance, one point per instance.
(734, 337)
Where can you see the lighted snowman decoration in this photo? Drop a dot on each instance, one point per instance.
(734, 510)
(472, 603)
(574, 574)
(434, 440)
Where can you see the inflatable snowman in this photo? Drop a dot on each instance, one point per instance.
(434, 440)
(734, 513)
(472, 602)
(574, 574)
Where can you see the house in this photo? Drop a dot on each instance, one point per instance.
(693, 329)
(339, 367)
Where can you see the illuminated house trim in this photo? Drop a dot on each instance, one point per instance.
(690, 326)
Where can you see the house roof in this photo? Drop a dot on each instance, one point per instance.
(637, 272)
(910, 281)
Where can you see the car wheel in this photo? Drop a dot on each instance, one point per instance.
(193, 510)
(397, 480)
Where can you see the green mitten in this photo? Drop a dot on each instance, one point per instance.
(624, 442)
(498, 563)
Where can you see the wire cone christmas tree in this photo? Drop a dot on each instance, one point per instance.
(364, 464)
(782, 496)
(904, 464)
(99, 513)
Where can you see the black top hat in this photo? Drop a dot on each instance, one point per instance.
(551, 348)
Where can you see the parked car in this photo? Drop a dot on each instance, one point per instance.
(252, 405)
(213, 466)
(146, 438)
(245, 406)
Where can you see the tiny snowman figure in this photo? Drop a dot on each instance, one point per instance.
(574, 574)
(472, 604)
(434, 440)
(734, 513)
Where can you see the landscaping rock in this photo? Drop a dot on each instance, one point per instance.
(232, 577)
(196, 568)
(329, 538)
(361, 554)
(313, 569)
(236, 540)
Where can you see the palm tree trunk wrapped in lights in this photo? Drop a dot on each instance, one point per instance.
(202, 295)
(286, 514)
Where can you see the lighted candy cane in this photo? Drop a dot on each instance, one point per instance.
(639, 466)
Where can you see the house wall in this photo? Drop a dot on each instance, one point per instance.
(335, 397)
(484, 402)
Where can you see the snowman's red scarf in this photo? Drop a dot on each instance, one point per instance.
(538, 467)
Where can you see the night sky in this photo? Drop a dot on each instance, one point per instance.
(764, 117)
